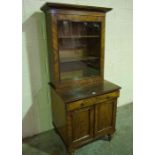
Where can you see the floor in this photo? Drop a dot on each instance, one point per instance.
(49, 143)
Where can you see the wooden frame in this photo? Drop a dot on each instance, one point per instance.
(53, 47)
(78, 18)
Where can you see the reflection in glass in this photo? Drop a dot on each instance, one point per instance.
(79, 49)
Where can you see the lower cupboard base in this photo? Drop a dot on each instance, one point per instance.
(107, 138)
(85, 120)
(71, 149)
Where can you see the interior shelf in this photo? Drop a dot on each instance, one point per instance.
(65, 60)
(79, 49)
(65, 67)
(85, 36)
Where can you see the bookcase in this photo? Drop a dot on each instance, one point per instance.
(83, 102)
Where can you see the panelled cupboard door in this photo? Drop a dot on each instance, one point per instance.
(105, 117)
(82, 122)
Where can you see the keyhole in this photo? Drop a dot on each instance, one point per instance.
(93, 92)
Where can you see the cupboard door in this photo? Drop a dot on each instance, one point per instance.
(105, 114)
(81, 121)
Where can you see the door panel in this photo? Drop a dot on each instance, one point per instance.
(82, 124)
(105, 117)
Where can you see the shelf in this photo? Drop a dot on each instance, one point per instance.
(71, 37)
(62, 49)
(78, 66)
(64, 60)
(79, 74)
(69, 66)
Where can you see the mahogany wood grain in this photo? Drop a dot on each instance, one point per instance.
(52, 30)
(92, 101)
(85, 109)
(73, 93)
(82, 121)
(76, 12)
(59, 115)
(104, 117)
(48, 6)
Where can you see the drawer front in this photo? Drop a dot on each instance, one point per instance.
(81, 103)
(91, 101)
(106, 97)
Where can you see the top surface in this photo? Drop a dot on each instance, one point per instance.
(74, 94)
(48, 6)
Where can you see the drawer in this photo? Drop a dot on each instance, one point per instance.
(91, 101)
(81, 103)
(105, 97)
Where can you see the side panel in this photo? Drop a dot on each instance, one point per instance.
(59, 116)
(49, 44)
(51, 29)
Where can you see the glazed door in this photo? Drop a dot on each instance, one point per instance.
(81, 122)
(105, 114)
(80, 47)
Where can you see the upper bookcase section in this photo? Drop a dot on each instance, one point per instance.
(76, 42)
(49, 6)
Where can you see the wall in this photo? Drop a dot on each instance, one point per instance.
(118, 61)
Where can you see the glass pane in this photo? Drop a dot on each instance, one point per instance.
(79, 49)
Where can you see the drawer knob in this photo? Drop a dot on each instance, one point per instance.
(93, 92)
